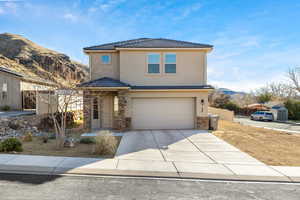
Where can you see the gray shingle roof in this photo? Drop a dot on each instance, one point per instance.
(2, 69)
(148, 43)
(104, 82)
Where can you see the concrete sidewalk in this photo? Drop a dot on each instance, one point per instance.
(167, 153)
(51, 165)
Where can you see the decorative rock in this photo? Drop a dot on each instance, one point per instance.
(69, 142)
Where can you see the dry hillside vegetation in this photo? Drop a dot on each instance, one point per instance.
(22, 55)
(268, 146)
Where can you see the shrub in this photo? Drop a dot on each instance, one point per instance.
(293, 109)
(231, 106)
(11, 144)
(27, 137)
(105, 145)
(87, 140)
(5, 108)
(48, 124)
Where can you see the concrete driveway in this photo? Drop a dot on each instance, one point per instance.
(280, 126)
(187, 152)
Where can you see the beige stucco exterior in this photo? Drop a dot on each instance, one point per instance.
(99, 70)
(190, 68)
(130, 66)
(13, 99)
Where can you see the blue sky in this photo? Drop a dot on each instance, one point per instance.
(256, 41)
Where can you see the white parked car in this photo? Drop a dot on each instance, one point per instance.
(262, 115)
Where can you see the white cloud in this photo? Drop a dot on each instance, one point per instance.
(240, 61)
(188, 11)
(8, 7)
(71, 17)
(104, 5)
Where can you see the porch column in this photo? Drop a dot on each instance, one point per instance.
(87, 107)
(123, 123)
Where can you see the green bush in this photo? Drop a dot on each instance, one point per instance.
(87, 140)
(11, 144)
(5, 108)
(293, 107)
(230, 106)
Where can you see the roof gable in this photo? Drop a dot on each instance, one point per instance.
(149, 43)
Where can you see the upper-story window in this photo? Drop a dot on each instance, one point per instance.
(153, 63)
(105, 59)
(170, 63)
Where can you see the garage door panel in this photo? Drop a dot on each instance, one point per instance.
(163, 113)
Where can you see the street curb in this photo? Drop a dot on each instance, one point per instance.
(153, 174)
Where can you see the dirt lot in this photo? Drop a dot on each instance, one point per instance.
(268, 146)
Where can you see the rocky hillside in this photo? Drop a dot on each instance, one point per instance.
(22, 55)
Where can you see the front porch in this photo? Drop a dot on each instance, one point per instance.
(105, 109)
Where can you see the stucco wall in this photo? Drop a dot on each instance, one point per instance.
(197, 95)
(223, 113)
(14, 97)
(99, 70)
(190, 66)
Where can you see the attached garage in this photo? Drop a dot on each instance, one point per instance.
(163, 113)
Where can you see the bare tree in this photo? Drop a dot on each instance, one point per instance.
(282, 90)
(293, 75)
(59, 101)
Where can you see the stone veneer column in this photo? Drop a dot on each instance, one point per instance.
(123, 123)
(202, 122)
(87, 107)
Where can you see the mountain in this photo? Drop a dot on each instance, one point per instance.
(229, 92)
(22, 55)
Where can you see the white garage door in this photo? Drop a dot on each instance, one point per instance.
(163, 113)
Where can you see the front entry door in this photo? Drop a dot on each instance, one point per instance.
(107, 112)
(96, 123)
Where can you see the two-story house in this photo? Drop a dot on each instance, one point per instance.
(147, 83)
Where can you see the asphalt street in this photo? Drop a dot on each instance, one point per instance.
(295, 128)
(13, 187)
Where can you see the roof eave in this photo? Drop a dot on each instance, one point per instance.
(172, 90)
(163, 48)
(87, 51)
(102, 88)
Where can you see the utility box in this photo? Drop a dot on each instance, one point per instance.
(280, 113)
(213, 122)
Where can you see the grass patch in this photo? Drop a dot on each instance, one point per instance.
(269, 146)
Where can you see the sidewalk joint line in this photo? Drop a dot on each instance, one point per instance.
(158, 146)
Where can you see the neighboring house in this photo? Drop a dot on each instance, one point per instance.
(10, 87)
(19, 91)
(147, 84)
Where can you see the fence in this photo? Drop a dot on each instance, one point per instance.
(223, 113)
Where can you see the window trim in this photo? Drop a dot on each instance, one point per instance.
(147, 63)
(109, 55)
(164, 63)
